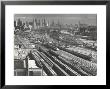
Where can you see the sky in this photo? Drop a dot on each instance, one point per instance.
(90, 19)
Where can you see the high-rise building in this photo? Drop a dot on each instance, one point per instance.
(34, 25)
(48, 24)
(15, 24)
(19, 23)
(53, 23)
(39, 23)
(27, 24)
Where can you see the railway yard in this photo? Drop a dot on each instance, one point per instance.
(45, 59)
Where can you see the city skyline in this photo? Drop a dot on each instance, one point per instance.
(90, 19)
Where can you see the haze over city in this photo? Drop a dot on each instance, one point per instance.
(90, 19)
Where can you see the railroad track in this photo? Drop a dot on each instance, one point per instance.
(79, 71)
(62, 64)
(56, 64)
(84, 67)
(79, 63)
(55, 67)
(44, 65)
(81, 55)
